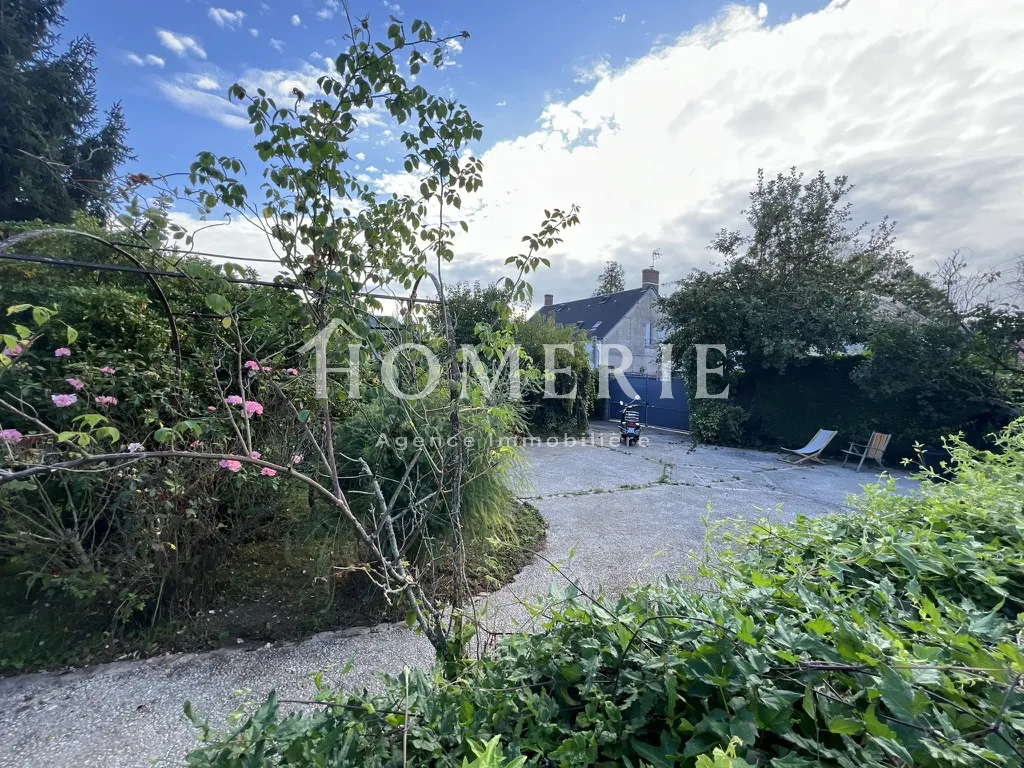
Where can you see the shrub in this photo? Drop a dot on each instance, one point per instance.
(889, 637)
(716, 422)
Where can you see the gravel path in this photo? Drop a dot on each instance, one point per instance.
(627, 515)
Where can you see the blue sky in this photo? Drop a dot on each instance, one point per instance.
(521, 54)
(653, 117)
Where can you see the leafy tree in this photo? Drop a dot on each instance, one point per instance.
(469, 306)
(55, 155)
(802, 280)
(611, 280)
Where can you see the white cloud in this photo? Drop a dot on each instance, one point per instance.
(360, 155)
(254, 32)
(762, 11)
(296, 20)
(330, 42)
(265, 9)
(867, 88)
(148, 61)
(455, 46)
(372, 169)
(621, 19)
(182, 45)
(199, 102)
(277, 45)
(237, 239)
(325, 13)
(501, 103)
(222, 17)
(207, 83)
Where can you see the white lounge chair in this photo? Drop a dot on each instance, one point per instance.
(811, 451)
(873, 449)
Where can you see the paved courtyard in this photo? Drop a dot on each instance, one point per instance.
(626, 515)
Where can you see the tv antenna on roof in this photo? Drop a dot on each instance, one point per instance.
(655, 255)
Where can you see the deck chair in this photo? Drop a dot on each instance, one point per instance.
(811, 451)
(873, 449)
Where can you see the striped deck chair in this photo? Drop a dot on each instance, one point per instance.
(873, 449)
(811, 451)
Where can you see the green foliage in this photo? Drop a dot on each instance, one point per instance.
(558, 416)
(716, 422)
(611, 280)
(469, 307)
(884, 638)
(55, 157)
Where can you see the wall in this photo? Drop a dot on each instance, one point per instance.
(630, 333)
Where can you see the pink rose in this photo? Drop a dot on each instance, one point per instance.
(230, 465)
(255, 455)
(297, 458)
(233, 400)
(267, 369)
(105, 400)
(293, 372)
(63, 401)
(211, 408)
(251, 407)
(11, 436)
(108, 370)
(14, 351)
(268, 472)
(62, 352)
(252, 365)
(76, 383)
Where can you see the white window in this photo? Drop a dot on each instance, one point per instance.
(648, 338)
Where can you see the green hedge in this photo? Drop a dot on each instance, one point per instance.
(787, 409)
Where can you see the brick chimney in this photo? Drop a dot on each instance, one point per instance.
(548, 299)
(650, 278)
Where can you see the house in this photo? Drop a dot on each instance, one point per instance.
(629, 318)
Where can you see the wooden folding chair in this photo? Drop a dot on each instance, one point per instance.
(811, 451)
(873, 449)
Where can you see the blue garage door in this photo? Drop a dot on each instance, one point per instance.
(656, 411)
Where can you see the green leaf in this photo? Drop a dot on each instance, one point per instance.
(218, 303)
(226, 322)
(163, 435)
(16, 308)
(898, 695)
(304, 415)
(875, 726)
(845, 725)
(72, 335)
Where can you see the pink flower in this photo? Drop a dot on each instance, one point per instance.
(233, 400)
(195, 444)
(134, 447)
(267, 369)
(14, 351)
(251, 407)
(268, 472)
(230, 464)
(63, 401)
(11, 436)
(62, 352)
(105, 400)
(255, 455)
(252, 365)
(76, 383)
(293, 372)
(108, 370)
(297, 458)
(211, 408)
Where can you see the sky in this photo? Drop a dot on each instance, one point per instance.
(653, 117)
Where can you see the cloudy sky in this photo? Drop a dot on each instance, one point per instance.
(653, 117)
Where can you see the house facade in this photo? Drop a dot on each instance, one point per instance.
(629, 318)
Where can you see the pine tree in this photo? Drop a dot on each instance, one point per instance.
(611, 280)
(55, 157)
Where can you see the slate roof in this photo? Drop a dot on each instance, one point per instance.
(595, 315)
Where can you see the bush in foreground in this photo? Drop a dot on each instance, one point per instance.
(891, 637)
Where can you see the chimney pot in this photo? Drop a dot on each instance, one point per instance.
(549, 299)
(650, 278)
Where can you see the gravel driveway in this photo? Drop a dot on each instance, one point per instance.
(628, 515)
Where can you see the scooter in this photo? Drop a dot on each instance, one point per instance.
(629, 422)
